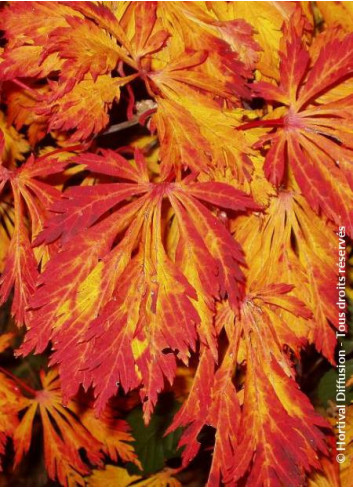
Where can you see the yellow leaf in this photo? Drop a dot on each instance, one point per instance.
(112, 476)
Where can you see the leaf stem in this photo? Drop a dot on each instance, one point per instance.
(19, 382)
(19, 83)
(121, 126)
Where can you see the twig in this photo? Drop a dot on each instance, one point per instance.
(121, 126)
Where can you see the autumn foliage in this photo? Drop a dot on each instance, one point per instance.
(172, 177)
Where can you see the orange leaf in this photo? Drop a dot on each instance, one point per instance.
(64, 434)
(132, 285)
(311, 137)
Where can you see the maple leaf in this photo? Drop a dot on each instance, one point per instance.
(85, 85)
(178, 74)
(180, 138)
(199, 46)
(65, 434)
(233, 29)
(311, 139)
(134, 37)
(29, 192)
(177, 88)
(89, 97)
(303, 248)
(270, 385)
(206, 145)
(242, 431)
(112, 476)
(99, 55)
(132, 285)
(143, 35)
(27, 37)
